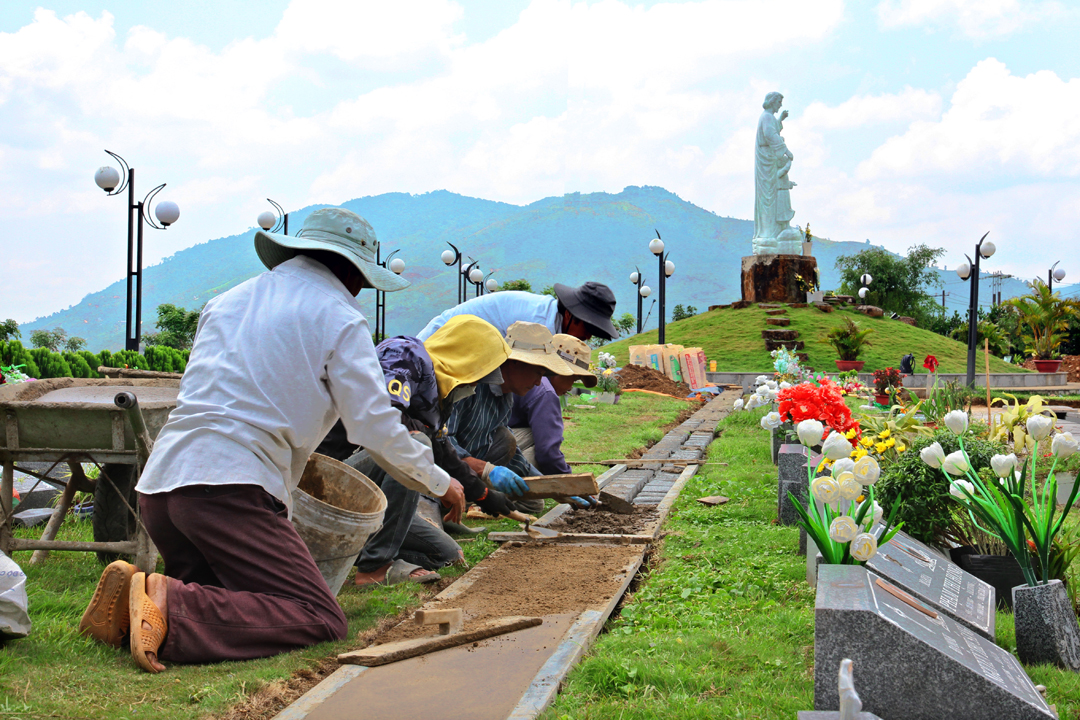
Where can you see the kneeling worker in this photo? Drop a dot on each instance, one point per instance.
(536, 420)
(276, 361)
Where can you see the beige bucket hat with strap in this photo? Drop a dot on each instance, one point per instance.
(576, 354)
(532, 343)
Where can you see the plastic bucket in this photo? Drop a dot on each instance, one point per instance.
(335, 510)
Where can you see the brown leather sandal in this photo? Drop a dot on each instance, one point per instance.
(145, 641)
(107, 617)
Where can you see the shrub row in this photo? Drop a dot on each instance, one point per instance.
(43, 363)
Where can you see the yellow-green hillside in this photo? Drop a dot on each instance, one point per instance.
(733, 339)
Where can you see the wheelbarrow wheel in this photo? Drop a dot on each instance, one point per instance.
(113, 522)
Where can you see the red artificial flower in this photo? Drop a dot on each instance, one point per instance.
(930, 363)
(823, 402)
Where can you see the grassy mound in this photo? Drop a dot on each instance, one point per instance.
(733, 339)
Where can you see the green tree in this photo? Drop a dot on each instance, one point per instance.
(74, 344)
(626, 323)
(678, 313)
(900, 284)
(520, 284)
(176, 327)
(50, 339)
(1044, 319)
(9, 330)
(13, 354)
(50, 364)
(549, 290)
(79, 367)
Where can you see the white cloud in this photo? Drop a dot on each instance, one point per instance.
(974, 18)
(860, 110)
(997, 124)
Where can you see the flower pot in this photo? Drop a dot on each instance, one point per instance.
(881, 399)
(607, 397)
(807, 248)
(1046, 628)
(1000, 571)
(1047, 366)
(845, 365)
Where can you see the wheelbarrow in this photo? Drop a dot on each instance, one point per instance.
(76, 421)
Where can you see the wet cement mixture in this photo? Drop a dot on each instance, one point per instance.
(606, 522)
(534, 579)
(639, 377)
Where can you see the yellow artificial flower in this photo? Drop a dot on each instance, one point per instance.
(900, 447)
(859, 453)
(867, 442)
(822, 464)
(884, 434)
(881, 448)
(850, 434)
(891, 442)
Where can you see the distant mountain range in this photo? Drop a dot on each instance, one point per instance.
(568, 239)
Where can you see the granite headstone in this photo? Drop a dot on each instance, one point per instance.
(916, 568)
(914, 662)
(791, 469)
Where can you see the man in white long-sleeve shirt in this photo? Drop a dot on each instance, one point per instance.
(276, 361)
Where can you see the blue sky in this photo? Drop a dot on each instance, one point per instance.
(911, 120)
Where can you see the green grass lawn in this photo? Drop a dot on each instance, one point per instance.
(733, 339)
(55, 673)
(722, 625)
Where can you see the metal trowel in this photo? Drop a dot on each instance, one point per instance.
(538, 533)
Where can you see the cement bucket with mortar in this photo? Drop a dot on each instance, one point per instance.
(335, 510)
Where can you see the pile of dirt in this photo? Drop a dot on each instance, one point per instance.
(605, 522)
(1069, 364)
(639, 377)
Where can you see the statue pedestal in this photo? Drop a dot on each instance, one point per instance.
(771, 278)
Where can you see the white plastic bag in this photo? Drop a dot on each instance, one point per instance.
(14, 620)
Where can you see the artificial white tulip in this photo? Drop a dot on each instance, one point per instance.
(739, 404)
(809, 432)
(850, 488)
(933, 455)
(755, 401)
(867, 471)
(1003, 464)
(955, 463)
(836, 447)
(771, 384)
(843, 465)
(771, 421)
(761, 380)
(875, 513)
(1039, 426)
(843, 529)
(785, 385)
(957, 421)
(863, 547)
(825, 490)
(956, 491)
(1064, 445)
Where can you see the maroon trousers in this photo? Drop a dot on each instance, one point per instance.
(242, 583)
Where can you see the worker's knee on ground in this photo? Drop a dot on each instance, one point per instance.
(503, 447)
(336, 624)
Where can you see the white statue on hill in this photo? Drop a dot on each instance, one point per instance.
(773, 233)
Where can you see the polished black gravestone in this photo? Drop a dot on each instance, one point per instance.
(916, 568)
(914, 662)
(792, 478)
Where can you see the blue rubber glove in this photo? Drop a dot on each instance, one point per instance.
(585, 502)
(507, 481)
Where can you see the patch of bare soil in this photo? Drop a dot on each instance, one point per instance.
(1069, 364)
(534, 579)
(639, 377)
(606, 522)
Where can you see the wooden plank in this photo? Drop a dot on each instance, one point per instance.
(560, 486)
(404, 649)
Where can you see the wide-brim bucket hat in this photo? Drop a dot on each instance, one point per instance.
(338, 231)
(532, 343)
(593, 303)
(576, 355)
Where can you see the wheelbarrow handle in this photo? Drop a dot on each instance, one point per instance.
(130, 404)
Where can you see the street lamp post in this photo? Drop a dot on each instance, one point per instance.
(1055, 273)
(971, 270)
(167, 212)
(490, 284)
(274, 222)
(666, 269)
(397, 266)
(642, 291)
(865, 279)
(476, 277)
